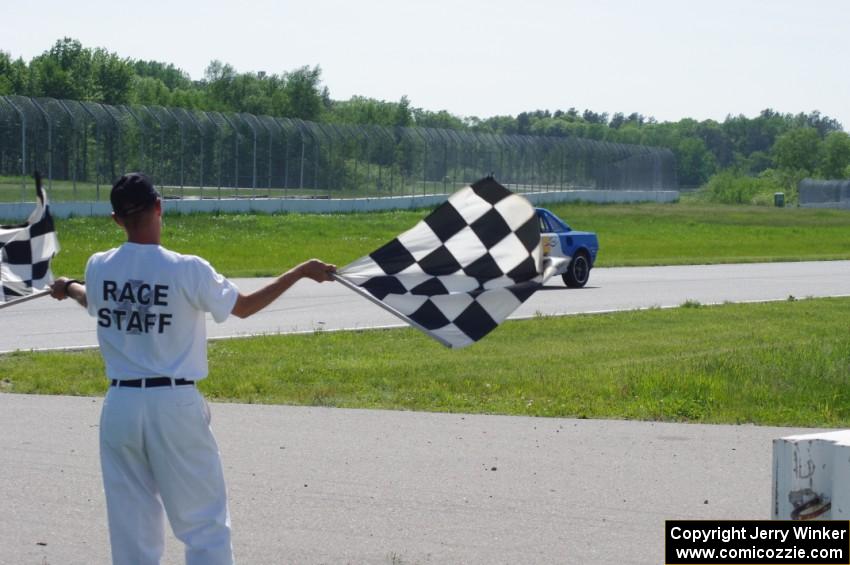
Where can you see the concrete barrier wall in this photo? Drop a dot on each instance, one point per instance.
(20, 211)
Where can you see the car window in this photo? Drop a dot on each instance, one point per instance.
(544, 226)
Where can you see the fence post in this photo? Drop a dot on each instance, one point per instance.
(253, 131)
(428, 154)
(96, 152)
(201, 135)
(500, 143)
(49, 142)
(458, 141)
(23, 143)
(360, 131)
(182, 150)
(385, 132)
(143, 132)
(348, 134)
(301, 180)
(560, 144)
(235, 150)
(269, 133)
(284, 130)
(118, 144)
(73, 125)
(519, 152)
(330, 165)
(421, 135)
(446, 139)
(302, 128)
(220, 147)
(159, 176)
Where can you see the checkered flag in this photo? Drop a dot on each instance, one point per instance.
(462, 270)
(26, 250)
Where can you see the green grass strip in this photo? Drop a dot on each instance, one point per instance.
(782, 363)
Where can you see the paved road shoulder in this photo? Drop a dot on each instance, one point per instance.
(320, 485)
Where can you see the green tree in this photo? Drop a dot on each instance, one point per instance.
(755, 134)
(506, 125)
(189, 98)
(717, 141)
(64, 71)
(823, 124)
(167, 73)
(5, 73)
(695, 162)
(150, 91)
(53, 81)
(629, 132)
(403, 116)
(617, 120)
(798, 149)
(523, 123)
(835, 155)
(554, 127)
(20, 78)
(361, 110)
(303, 93)
(218, 79)
(754, 163)
(112, 78)
(441, 119)
(246, 94)
(594, 118)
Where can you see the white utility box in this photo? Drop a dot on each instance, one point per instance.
(811, 477)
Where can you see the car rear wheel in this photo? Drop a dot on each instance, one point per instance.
(578, 272)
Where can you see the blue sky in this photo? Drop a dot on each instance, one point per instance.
(662, 58)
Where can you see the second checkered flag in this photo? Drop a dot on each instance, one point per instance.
(463, 269)
(26, 251)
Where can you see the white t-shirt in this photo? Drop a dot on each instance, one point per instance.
(150, 303)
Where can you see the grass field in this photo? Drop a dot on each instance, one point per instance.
(241, 245)
(780, 363)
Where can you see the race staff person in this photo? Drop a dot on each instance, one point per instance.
(158, 454)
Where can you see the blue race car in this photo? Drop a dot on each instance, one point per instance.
(578, 247)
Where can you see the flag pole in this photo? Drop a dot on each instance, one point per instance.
(365, 294)
(32, 296)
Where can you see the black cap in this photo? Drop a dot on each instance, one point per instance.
(132, 193)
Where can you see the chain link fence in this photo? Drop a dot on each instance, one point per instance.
(82, 147)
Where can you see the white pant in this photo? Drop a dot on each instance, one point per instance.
(157, 452)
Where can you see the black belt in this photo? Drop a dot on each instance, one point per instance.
(152, 382)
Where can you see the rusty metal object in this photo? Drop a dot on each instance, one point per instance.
(808, 504)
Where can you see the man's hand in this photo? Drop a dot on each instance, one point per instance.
(57, 289)
(317, 270)
(63, 288)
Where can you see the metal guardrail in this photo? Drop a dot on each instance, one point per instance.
(84, 146)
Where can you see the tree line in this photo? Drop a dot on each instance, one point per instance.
(735, 160)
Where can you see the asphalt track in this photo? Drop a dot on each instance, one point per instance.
(308, 306)
(323, 485)
(318, 485)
